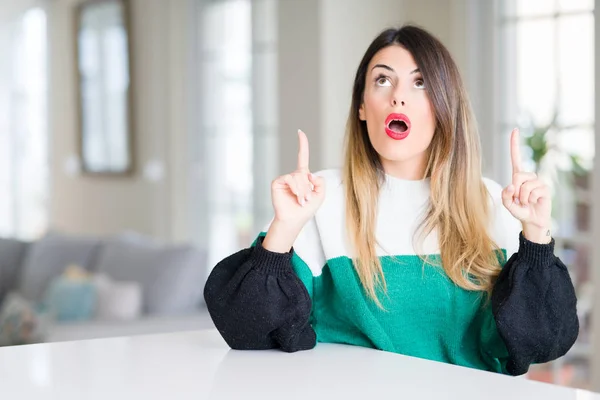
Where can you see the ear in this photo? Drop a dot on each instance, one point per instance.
(361, 112)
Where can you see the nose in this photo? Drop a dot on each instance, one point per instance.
(395, 102)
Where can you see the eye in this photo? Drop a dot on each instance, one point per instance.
(383, 80)
(420, 84)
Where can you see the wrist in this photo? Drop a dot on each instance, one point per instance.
(281, 236)
(537, 234)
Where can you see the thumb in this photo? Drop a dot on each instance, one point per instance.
(318, 182)
(507, 196)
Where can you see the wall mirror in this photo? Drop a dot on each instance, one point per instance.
(104, 86)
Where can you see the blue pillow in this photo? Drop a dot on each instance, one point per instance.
(71, 300)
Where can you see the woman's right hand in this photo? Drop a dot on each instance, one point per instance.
(296, 198)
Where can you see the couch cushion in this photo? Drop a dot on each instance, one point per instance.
(117, 300)
(48, 258)
(12, 254)
(171, 277)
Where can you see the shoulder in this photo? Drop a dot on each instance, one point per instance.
(494, 189)
(333, 184)
(332, 211)
(504, 227)
(332, 176)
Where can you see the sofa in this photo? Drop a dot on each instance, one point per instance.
(162, 285)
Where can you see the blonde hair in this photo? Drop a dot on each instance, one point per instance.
(458, 206)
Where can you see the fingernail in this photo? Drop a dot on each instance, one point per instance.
(302, 202)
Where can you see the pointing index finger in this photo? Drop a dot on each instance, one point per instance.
(515, 151)
(302, 151)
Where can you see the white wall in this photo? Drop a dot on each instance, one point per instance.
(300, 81)
(100, 205)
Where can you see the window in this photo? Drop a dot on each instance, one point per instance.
(236, 124)
(547, 51)
(226, 123)
(24, 172)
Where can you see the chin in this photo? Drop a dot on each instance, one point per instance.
(394, 152)
(397, 157)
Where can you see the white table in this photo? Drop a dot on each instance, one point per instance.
(199, 365)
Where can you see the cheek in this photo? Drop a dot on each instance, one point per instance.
(427, 117)
(375, 100)
(382, 95)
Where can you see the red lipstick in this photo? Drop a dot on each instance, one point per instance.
(397, 126)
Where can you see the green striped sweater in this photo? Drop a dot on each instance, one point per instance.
(260, 299)
(424, 313)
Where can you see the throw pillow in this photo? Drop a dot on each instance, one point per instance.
(71, 296)
(20, 323)
(117, 300)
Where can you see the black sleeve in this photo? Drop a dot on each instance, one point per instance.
(257, 302)
(535, 307)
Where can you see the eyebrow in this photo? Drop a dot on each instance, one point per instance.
(392, 69)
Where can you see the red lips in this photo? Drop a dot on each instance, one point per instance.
(397, 126)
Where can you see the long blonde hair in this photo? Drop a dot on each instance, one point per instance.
(458, 206)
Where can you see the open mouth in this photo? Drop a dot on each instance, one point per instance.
(397, 126)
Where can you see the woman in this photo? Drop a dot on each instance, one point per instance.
(407, 248)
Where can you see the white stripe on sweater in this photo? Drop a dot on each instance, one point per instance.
(400, 209)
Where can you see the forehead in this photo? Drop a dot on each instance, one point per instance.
(394, 56)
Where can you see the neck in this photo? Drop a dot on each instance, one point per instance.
(412, 170)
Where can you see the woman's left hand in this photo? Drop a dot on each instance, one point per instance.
(528, 198)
